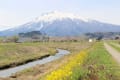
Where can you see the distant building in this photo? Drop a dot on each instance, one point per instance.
(90, 40)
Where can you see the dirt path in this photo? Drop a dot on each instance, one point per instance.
(113, 52)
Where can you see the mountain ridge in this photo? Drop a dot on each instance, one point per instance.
(62, 24)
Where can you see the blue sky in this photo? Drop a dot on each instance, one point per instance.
(16, 12)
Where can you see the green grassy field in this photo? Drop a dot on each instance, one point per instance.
(97, 65)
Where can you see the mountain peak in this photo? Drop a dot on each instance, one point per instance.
(56, 15)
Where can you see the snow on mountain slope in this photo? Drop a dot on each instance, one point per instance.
(62, 24)
(55, 15)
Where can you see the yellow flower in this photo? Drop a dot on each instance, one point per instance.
(65, 72)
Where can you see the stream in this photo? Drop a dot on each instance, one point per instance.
(9, 72)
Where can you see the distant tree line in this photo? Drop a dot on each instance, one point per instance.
(33, 36)
(101, 35)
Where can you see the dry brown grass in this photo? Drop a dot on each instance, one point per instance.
(18, 53)
(41, 70)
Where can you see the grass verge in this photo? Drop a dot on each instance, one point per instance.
(99, 65)
(115, 45)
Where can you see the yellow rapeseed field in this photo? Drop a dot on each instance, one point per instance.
(66, 71)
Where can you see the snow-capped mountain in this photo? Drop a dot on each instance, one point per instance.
(55, 15)
(62, 24)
